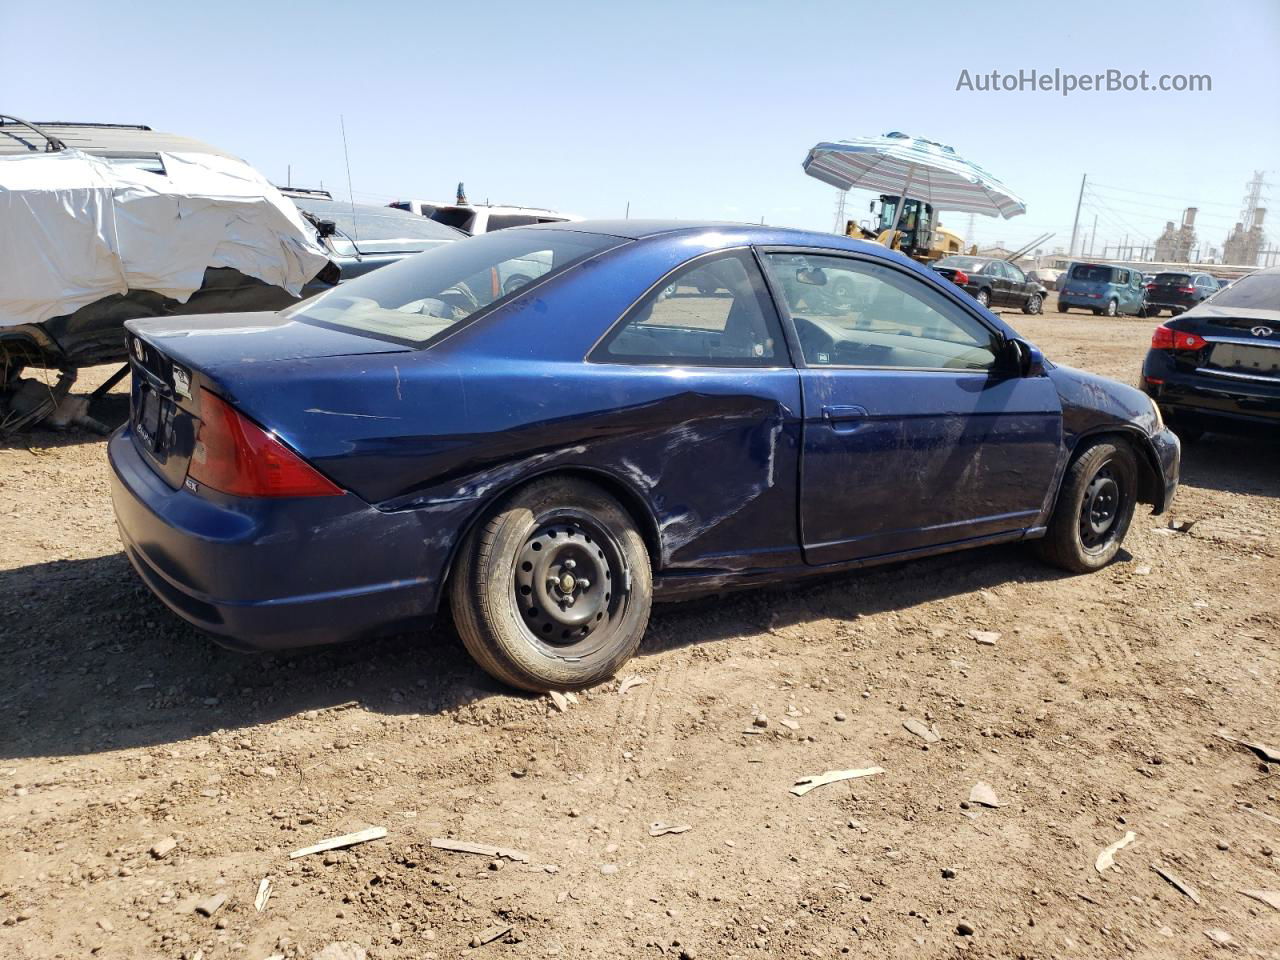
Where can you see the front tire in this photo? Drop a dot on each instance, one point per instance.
(1034, 305)
(1094, 508)
(553, 591)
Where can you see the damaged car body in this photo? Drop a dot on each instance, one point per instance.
(102, 223)
(664, 410)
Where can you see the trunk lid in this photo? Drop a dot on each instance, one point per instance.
(1241, 344)
(173, 359)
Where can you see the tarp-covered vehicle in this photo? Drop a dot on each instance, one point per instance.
(102, 223)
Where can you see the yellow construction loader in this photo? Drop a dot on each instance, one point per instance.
(917, 234)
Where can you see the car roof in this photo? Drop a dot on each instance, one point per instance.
(104, 139)
(732, 233)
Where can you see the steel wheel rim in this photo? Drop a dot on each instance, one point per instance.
(569, 584)
(1101, 508)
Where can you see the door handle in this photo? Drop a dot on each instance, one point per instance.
(837, 413)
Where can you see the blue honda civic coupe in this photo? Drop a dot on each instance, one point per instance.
(663, 409)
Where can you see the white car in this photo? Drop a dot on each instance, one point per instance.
(481, 218)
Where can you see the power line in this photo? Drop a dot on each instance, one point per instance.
(1165, 196)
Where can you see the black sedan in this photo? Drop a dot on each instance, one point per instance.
(1177, 292)
(1217, 366)
(993, 282)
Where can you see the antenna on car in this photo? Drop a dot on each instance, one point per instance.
(355, 230)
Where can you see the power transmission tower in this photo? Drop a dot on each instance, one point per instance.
(841, 197)
(1253, 199)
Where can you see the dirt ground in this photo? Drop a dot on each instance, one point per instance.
(1094, 714)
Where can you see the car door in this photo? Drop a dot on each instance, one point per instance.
(914, 434)
(1019, 286)
(999, 283)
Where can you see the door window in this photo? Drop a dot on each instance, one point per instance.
(862, 314)
(714, 312)
(1015, 273)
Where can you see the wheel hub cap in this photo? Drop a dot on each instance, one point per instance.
(564, 582)
(1102, 499)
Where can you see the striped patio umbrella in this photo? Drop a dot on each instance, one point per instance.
(900, 165)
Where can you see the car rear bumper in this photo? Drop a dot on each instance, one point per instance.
(1080, 300)
(1229, 401)
(270, 575)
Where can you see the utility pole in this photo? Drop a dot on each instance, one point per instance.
(1075, 227)
(1093, 235)
(627, 215)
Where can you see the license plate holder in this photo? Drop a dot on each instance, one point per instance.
(1243, 358)
(147, 422)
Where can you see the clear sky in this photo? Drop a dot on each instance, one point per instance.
(686, 109)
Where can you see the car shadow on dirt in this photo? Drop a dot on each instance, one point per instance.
(93, 662)
(1238, 464)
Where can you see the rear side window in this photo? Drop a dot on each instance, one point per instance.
(713, 312)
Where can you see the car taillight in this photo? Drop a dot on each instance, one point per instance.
(1186, 289)
(236, 456)
(1187, 341)
(1162, 338)
(961, 278)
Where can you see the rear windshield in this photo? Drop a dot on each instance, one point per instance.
(1257, 291)
(1087, 271)
(1173, 279)
(421, 297)
(963, 263)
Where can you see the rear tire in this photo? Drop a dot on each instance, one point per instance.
(518, 596)
(983, 297)
(1112, 308)
(1094, 508)
(1063, 308)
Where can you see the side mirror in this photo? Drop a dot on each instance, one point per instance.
(1024, 358)
(815, 277)
(326, 228)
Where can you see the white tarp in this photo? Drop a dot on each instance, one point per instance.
(75, 228)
